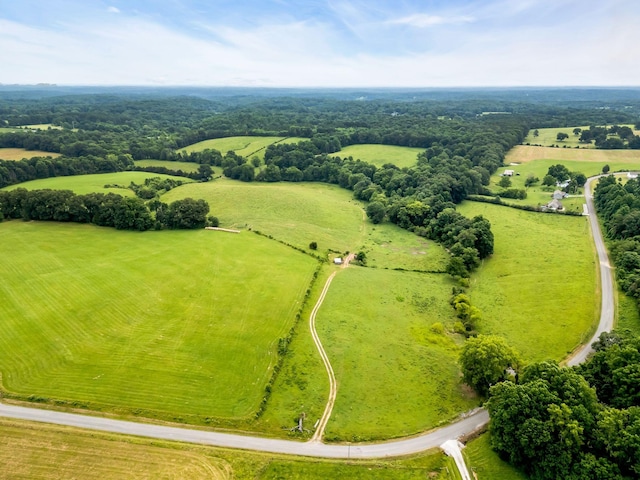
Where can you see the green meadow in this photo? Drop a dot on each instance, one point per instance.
(83, 184)
(246, 146)
(547, 137)
(22, 153)
(396, 375)
(298, 213)
(162, 324)
(537, 290)
(381, 154)
(188, 167)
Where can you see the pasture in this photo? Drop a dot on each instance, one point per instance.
(22, 153)
(298, 213)
(246, 146)
(188, 167)
(378, 155)
(83, 184)
(161, 324)
(35, 450)
(537, 290)
(547, 137)
(396, 376)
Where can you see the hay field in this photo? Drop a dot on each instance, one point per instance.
(242, 145)
(178, 325)
(22, 153)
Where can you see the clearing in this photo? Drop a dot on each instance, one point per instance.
(378, 155)
(188, 167)
(246, 146)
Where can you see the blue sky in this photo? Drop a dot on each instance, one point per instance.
(320, 43)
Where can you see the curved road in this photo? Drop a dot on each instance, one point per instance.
(471, 421)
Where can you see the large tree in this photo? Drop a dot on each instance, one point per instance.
(487, 360)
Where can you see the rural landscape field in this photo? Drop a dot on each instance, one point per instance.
(302, 302)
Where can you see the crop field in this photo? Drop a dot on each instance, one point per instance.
(537, 290)
(33, 450)
(381, 154)
(184, 166)
(396, 376)
(21, 153)
(83, 184)
(162, 324)
(246, 146)
(486, 463)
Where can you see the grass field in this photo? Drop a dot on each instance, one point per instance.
(21, 153)
(547, 137)
(246, 146)
(395, 375)
(381, 154)
(486, 463)
(537, 290)
(162, 323)
(39, 451)
(83, 184)
(537, 160)
(298, 213)
(184, 166)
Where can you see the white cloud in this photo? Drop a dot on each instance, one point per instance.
(113, 9)
(422, 20)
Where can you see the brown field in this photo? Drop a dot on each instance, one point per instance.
(29, 450)
(526, 153)
(20, 153)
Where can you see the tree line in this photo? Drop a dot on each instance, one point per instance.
(105, 210)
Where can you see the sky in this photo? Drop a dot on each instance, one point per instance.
(321, 43)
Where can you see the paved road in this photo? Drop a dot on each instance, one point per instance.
(607, 309)
(433, 439)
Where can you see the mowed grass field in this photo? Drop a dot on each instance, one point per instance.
(243, 145)
(40, 451)
(298, 213)
(539, 288)
(536, 161)
(21, 153)
(184, 166)
(179, 325)
(395, 376)
(381, 154)
(83, 184)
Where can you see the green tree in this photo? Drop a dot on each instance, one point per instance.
(606, 169)
(531, 180)
(536, 133)
(576, 131)
(549, 180)
(313, 245)
(487, 360)
(376, 212)
(561, 136)
(505, 182)
(187, 214)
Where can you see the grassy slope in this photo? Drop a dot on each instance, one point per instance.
(20, 153)
(537, 290)
(245, 146)
(395, 376)
(164, 321)
(482, 460)
(297, 213)
(83, 184)
(381, 154)
(184, 166)
(537, 160)
(31, 450)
